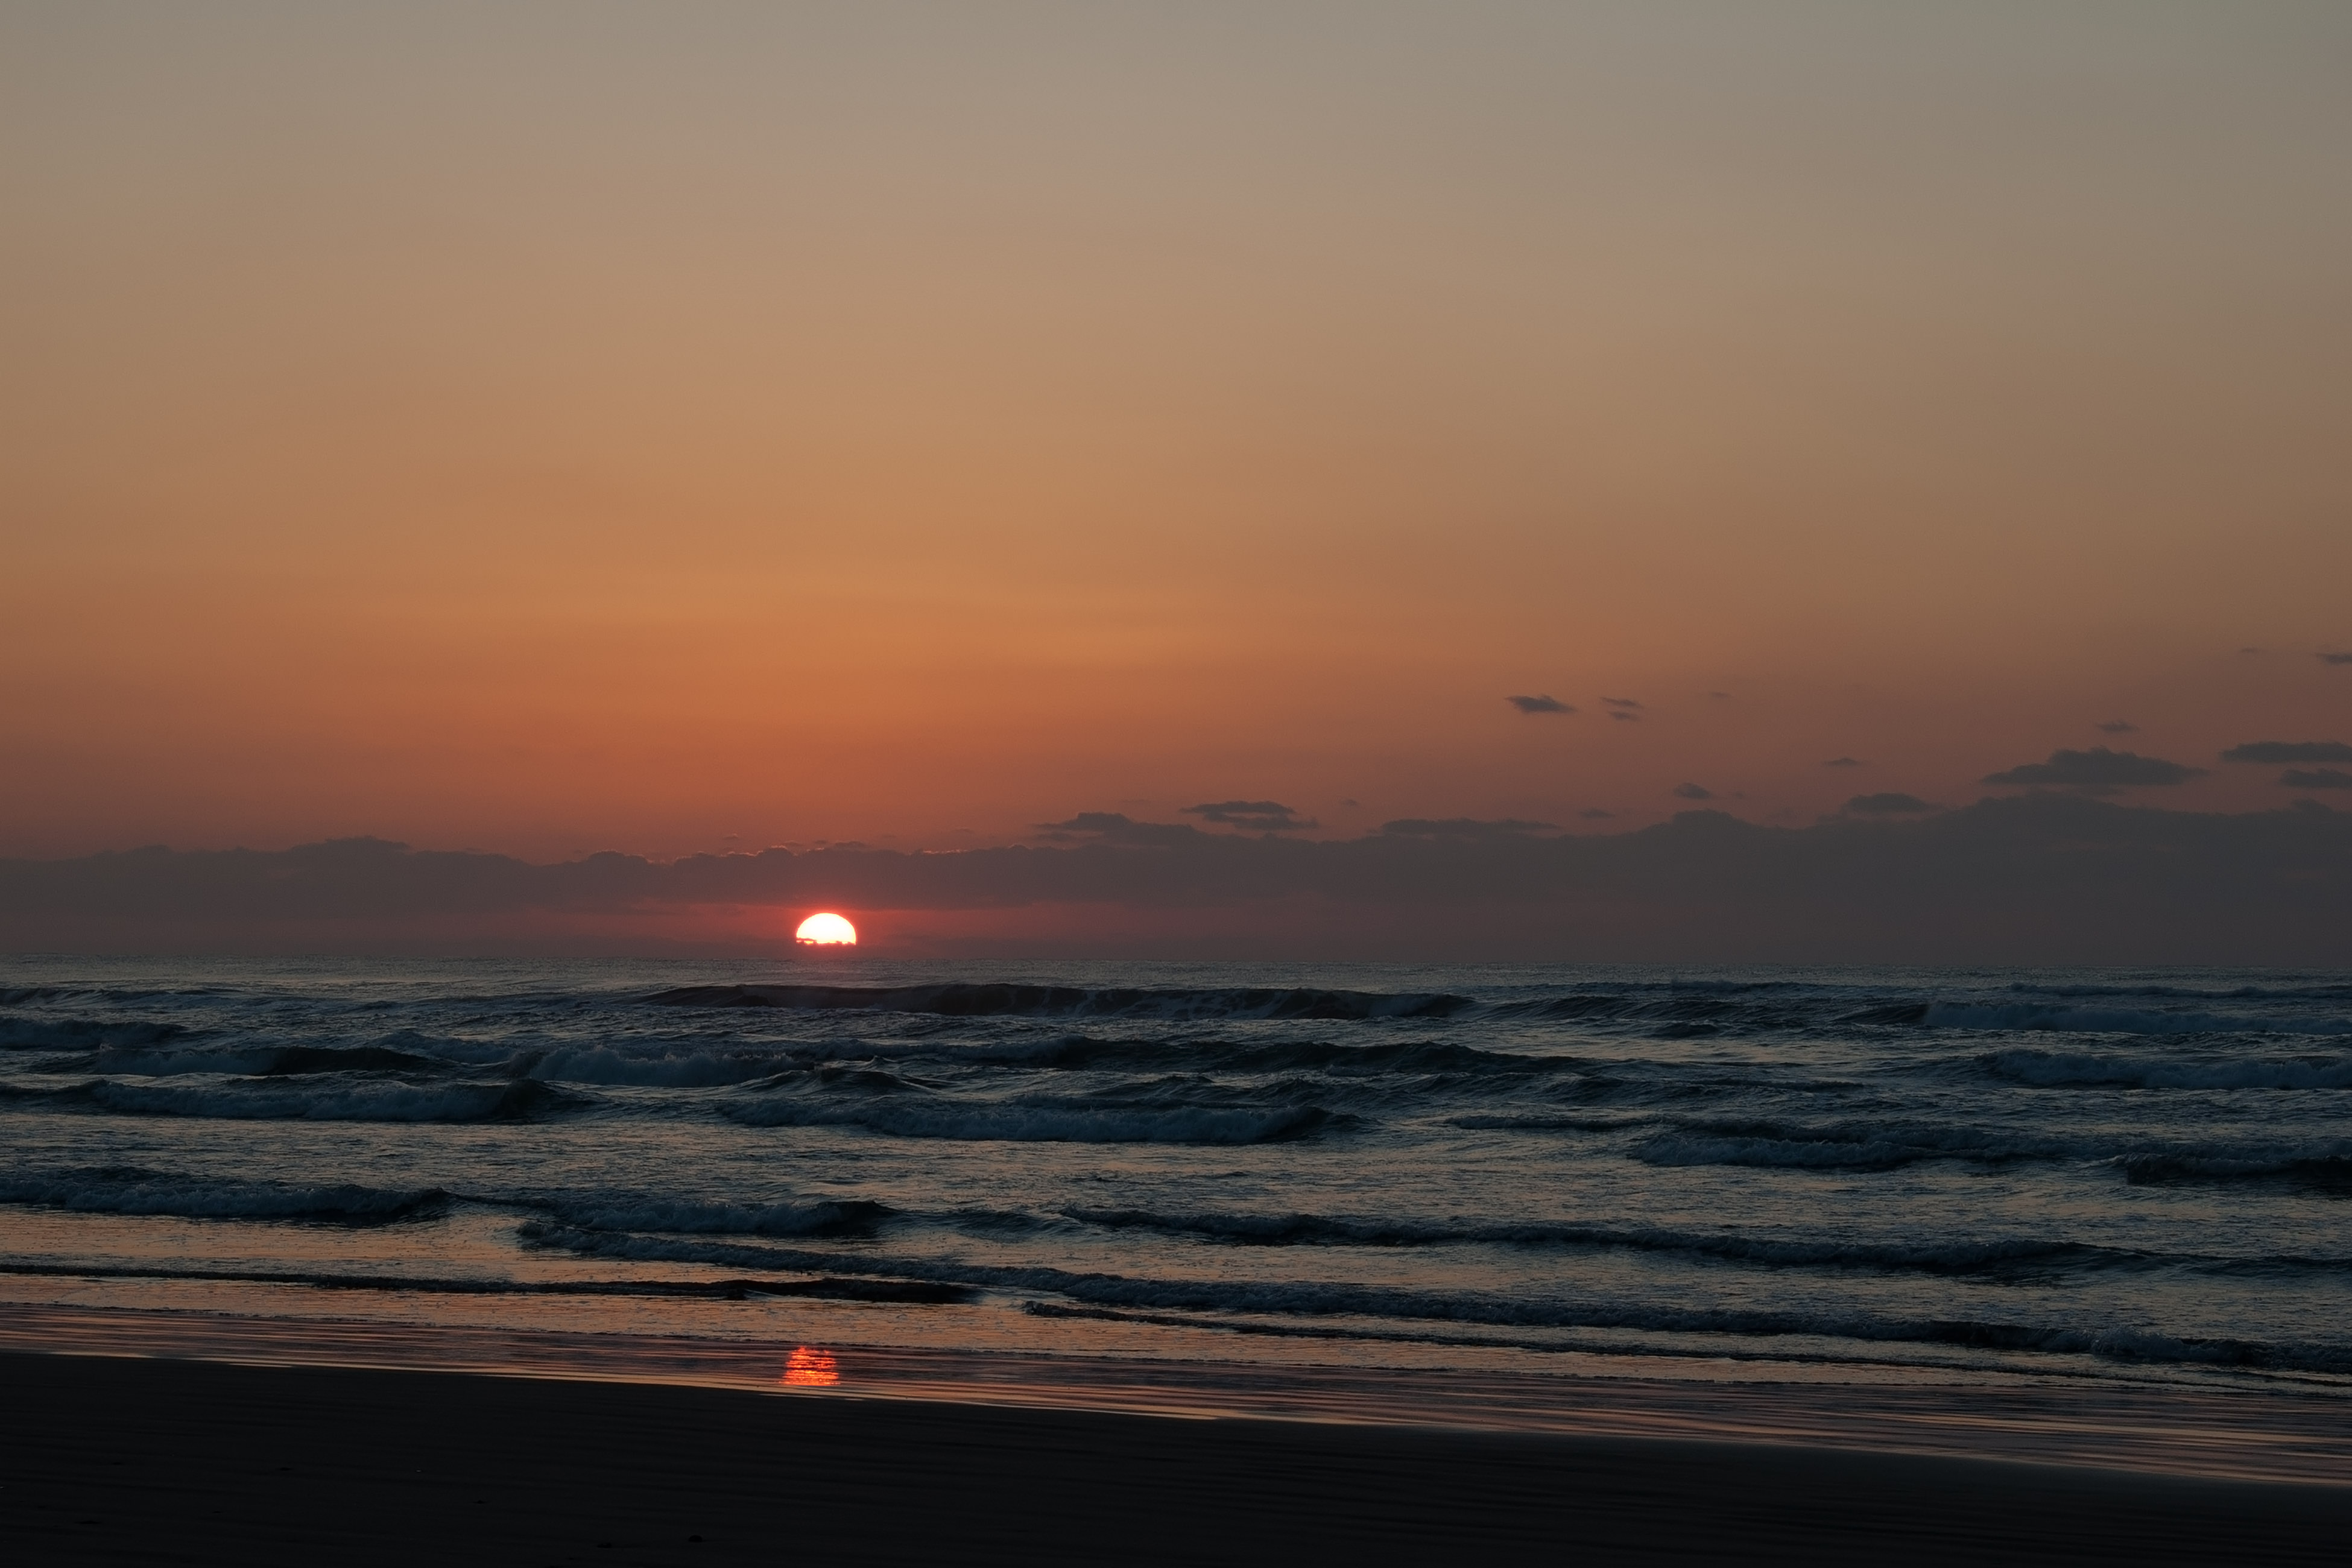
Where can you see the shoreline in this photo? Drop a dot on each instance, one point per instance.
(2285, 1436)
(120, 1460)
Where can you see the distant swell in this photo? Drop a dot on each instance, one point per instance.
(266, 1099)
(261, 1061)
(2067, 1019)
(2073, 1070)
(2329, 1175)
(1847, 1146)
(1079, 1052)
(966, 1001)
(77, 1034)
(930, 1118)
(822, 1218)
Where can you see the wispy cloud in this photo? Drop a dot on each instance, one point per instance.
(2335, 658)
(1539, 705)
(1255, 816)
(2316, 778)
(1624, 708)
(1844, 762)
(1693, 791)
(2095, 771)
(2289, 751)
(1595, 813)
(2119, 727)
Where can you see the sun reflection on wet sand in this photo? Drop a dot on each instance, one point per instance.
(807, 1368)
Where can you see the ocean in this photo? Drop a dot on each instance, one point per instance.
(2079, 1179)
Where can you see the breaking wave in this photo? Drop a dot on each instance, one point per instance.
(2131, 1167)
(1296, 1299)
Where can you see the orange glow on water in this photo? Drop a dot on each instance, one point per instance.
(826, 930)
(807, 1368)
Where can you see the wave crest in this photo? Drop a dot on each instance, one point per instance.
(2065, 1069)
(267, 1100)
(1017, 1123)
(127, 1190)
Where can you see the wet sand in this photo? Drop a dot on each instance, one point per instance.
(124, 1460)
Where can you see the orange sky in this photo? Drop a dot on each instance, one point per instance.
(668, 428)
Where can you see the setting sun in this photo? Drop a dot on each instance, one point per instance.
(825, 930)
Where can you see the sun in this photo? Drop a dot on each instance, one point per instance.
(825, 930)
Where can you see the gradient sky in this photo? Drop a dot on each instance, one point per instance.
(546, 427)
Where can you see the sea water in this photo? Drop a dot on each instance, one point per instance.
(2131, 1176)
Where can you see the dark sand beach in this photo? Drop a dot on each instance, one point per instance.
(147, 1460)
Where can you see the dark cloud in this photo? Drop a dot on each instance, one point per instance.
(2289, 751)
(2040, 879)
(1620, 703)
(1594, 814)
(1623, 708)
(2095, 771)
(1255, 816)
(2335, 658)
(1539, 705)
(1888, 805)
(1115, 828)
(2119, 727)
(1693, 791)
(1462, 828)
(1844, 762)
(2316, 778)
(1720, 695)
